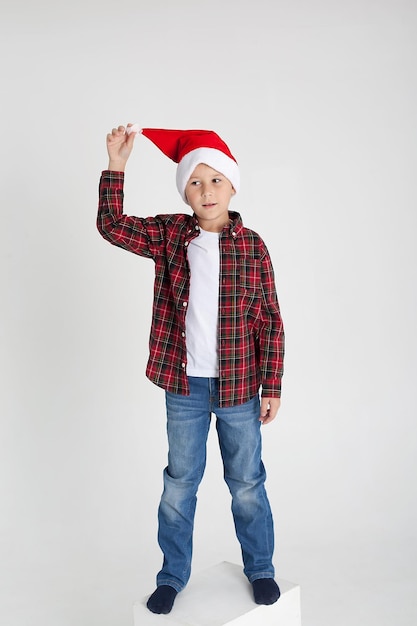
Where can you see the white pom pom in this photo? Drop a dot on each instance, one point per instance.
(135, 128)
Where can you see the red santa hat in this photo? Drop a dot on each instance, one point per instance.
(189, 148)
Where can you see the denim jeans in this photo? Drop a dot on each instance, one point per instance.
(238, 429)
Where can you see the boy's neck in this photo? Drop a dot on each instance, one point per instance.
(212, 227)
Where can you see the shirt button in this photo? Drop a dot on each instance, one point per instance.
(186, 243)
(184, 304)
(182, 334)
(197, 227)
(183, 365)
(233, 234)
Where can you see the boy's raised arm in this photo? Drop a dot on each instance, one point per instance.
(119, 146)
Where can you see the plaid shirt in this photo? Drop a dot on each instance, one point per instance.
(250, 331)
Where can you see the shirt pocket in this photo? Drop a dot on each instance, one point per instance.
(250, 290)
(250, 276)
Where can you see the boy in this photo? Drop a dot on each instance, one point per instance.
(216, 337)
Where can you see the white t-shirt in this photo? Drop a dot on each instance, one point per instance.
(203, 305)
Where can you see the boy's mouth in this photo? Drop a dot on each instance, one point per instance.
(208, 205)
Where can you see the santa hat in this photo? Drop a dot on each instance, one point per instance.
(189, 148)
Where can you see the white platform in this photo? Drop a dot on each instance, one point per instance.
(221, 595)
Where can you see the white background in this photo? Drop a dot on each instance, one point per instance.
(317, 100)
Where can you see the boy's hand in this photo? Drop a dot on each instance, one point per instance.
(119, 147)
(269, 409)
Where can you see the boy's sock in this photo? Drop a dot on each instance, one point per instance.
(265, 591)
(162, 599)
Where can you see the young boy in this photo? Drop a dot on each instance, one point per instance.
(216, 337)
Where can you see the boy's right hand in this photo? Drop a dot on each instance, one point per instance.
(119, 147)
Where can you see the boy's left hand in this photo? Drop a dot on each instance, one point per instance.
(269, 409)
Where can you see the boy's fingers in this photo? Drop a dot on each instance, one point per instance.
(116, 132)
(269, 409)
(121, 133)
(264, 407)
(130, 139)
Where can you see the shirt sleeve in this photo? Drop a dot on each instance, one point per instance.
(142, 236)
(271, 334)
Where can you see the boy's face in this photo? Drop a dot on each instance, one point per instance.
(208, 193)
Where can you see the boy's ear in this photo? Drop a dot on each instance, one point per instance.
(233, 191)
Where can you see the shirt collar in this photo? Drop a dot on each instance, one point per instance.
(233, 228)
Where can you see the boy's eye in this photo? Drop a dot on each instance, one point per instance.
(217, 180)
(195, 182)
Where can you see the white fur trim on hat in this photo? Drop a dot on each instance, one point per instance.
(212, 157)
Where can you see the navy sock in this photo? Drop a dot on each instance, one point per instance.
(265, 591)
(162, 599)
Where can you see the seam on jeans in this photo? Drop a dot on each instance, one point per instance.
(261, 575)
(171, 583)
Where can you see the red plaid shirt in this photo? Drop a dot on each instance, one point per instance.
(250, 331)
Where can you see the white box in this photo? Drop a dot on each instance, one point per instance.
(222, 596)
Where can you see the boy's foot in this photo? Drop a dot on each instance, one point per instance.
(162, 599)
(265, 591)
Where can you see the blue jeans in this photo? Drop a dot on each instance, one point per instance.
(238, 429)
